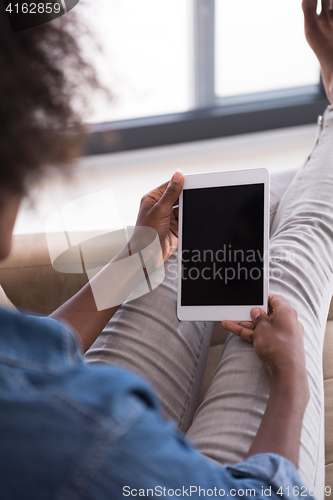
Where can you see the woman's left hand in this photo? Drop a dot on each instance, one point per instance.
(159, 210)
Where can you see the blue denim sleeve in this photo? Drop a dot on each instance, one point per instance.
(154, 460)
(275, 470)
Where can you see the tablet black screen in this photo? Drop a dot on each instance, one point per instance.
(223, 246)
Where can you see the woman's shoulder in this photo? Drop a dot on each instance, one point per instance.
(36, 342)
(65, 416)
(43, 347)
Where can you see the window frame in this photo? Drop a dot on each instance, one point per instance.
(211, 116)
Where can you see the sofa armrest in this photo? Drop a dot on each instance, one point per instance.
(29, 280)
(330, 312)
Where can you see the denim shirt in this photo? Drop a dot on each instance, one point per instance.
(70, 431)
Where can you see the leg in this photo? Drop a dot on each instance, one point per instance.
(279, 183)
(228, 419)
(145, 336)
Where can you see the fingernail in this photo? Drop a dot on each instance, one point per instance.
(177, 176)
(255, 313)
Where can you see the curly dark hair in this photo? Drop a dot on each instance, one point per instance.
(41, 69)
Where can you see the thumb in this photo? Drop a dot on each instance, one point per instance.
(257, 315)
(172, 192)
(310, 13)
(309, 6)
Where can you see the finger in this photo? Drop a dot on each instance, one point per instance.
(325, 6)
(239, 330)
(176, 212)
(280, 307)
(310, 13)
(258, 315)
(309, 7)
(173, 190)
(274, 301)
(150, 199)
(245, 324)
(163, 187)
(174, 227)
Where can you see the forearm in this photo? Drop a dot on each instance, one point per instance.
(89, 311)
(281, 426)
(83, 316)
(154, 239)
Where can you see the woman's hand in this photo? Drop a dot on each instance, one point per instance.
(278, 341)
(159, 210)
(277, 337)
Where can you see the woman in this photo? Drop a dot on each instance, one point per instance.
(89, 429)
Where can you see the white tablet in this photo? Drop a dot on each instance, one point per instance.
(223, 245)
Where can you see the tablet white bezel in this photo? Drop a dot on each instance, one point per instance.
(216, 179)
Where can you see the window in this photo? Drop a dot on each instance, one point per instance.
(263, 49)
(145, 56)
(184, 70)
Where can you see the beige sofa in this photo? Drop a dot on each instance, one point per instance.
(30, 282)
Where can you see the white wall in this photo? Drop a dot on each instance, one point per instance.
(132, 174)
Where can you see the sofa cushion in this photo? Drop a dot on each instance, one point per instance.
(29, 279)
(33, 284)
(219, 335)
(328, 352)
(328, 386)
(214, 355)
(329, 480)
(330, 312)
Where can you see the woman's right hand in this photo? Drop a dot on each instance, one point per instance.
(277, 337)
